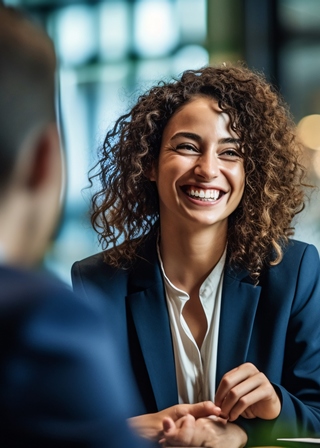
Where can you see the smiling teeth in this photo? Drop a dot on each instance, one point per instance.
(205, 194)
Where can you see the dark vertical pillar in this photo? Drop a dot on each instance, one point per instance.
(262, 37)
(225, 30)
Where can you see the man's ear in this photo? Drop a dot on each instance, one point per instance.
(45, 163)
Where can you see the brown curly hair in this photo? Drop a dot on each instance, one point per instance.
(126, 207)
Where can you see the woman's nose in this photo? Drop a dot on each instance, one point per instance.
(207, 166)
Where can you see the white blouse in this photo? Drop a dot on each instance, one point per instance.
(195, 369)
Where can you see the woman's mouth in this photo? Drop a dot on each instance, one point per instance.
(206, 195)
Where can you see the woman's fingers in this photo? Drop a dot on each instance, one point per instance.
(179, 433)
(260, 402)
(246, 391)
(242, 394)
(232, 379)
(197, 410)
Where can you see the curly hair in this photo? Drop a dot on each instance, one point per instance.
(126, 206)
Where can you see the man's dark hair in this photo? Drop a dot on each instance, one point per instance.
(27, 64)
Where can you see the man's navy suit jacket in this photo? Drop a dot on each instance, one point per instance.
(274, 325)
(61, 382)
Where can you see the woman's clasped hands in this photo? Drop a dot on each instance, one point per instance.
(211, 432)
(150, 426)
(243, 391)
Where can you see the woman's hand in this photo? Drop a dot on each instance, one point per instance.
(150, 425)
(247, 392)
(211, 432)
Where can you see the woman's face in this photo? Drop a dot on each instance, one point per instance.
(200, 174)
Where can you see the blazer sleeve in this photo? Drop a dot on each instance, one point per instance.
(299, 389)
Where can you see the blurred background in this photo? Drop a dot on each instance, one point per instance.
(110, 51)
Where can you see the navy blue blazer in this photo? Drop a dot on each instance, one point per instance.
(61, 384)
(275, 325)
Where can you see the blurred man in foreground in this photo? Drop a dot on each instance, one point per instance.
(57, 386)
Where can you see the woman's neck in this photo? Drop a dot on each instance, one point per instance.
(189, 256)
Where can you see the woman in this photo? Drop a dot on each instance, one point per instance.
(199, 185)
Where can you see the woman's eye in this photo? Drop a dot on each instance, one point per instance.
(186, 147)
(230, 153)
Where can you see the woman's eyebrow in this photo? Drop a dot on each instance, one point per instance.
(189, 135)
(230, 140)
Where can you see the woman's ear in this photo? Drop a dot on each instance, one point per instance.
(151, 173)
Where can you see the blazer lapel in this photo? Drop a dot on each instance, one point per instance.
(238, 308)
(147, 302)
(150, 316)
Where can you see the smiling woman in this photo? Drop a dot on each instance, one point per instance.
(200, 174)
(200, 181)
(266, 137)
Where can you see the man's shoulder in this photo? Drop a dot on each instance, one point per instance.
(39, 299)
(26, 287)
